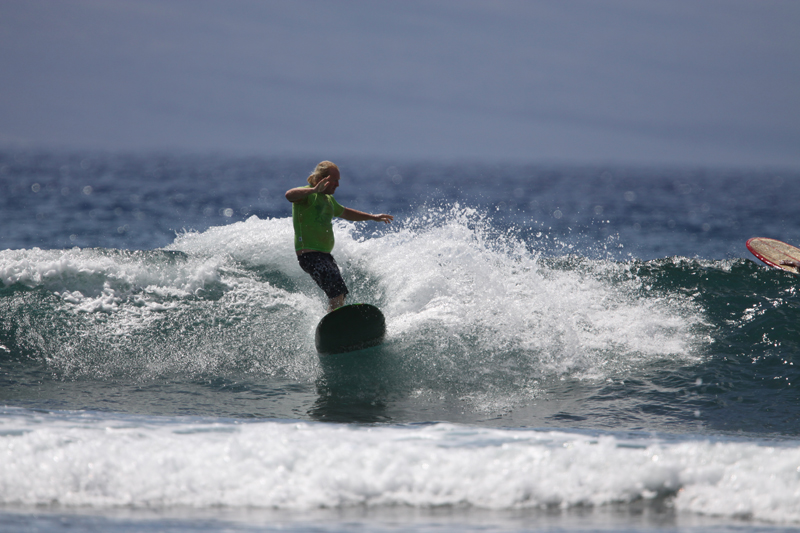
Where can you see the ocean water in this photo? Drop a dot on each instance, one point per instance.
(568, 349)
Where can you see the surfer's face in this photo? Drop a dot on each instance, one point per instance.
(333, 182)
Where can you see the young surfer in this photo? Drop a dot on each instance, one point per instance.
(313, 208)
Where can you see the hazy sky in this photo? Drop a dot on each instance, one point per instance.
(645, 81)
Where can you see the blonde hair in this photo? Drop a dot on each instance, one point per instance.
(323, 170)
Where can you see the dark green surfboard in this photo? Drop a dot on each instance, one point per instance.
(351, 327)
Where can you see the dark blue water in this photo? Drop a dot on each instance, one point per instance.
(601, 331)
(139, 202)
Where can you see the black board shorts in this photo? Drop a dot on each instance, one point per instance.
(323, 269)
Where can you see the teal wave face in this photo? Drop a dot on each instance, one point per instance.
(481, 328)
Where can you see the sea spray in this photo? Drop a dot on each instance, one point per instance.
(462, 305)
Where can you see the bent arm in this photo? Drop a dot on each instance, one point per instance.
(301, 193)
(357, 216)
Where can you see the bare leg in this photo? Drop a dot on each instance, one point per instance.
(336, 302)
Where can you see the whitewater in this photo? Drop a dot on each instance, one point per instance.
(545, 364)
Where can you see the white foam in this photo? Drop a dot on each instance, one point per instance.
(496, 292)
(254, 241)
(105, 461)
(96, 280)
(462, 302)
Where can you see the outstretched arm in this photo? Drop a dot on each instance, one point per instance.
(357, 216)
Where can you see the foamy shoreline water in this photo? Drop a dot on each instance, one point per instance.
(76, 460)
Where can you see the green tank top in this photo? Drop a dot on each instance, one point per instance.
(312, 219)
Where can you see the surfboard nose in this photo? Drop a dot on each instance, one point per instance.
(349, 328)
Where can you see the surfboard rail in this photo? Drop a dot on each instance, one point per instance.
(773, 251)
